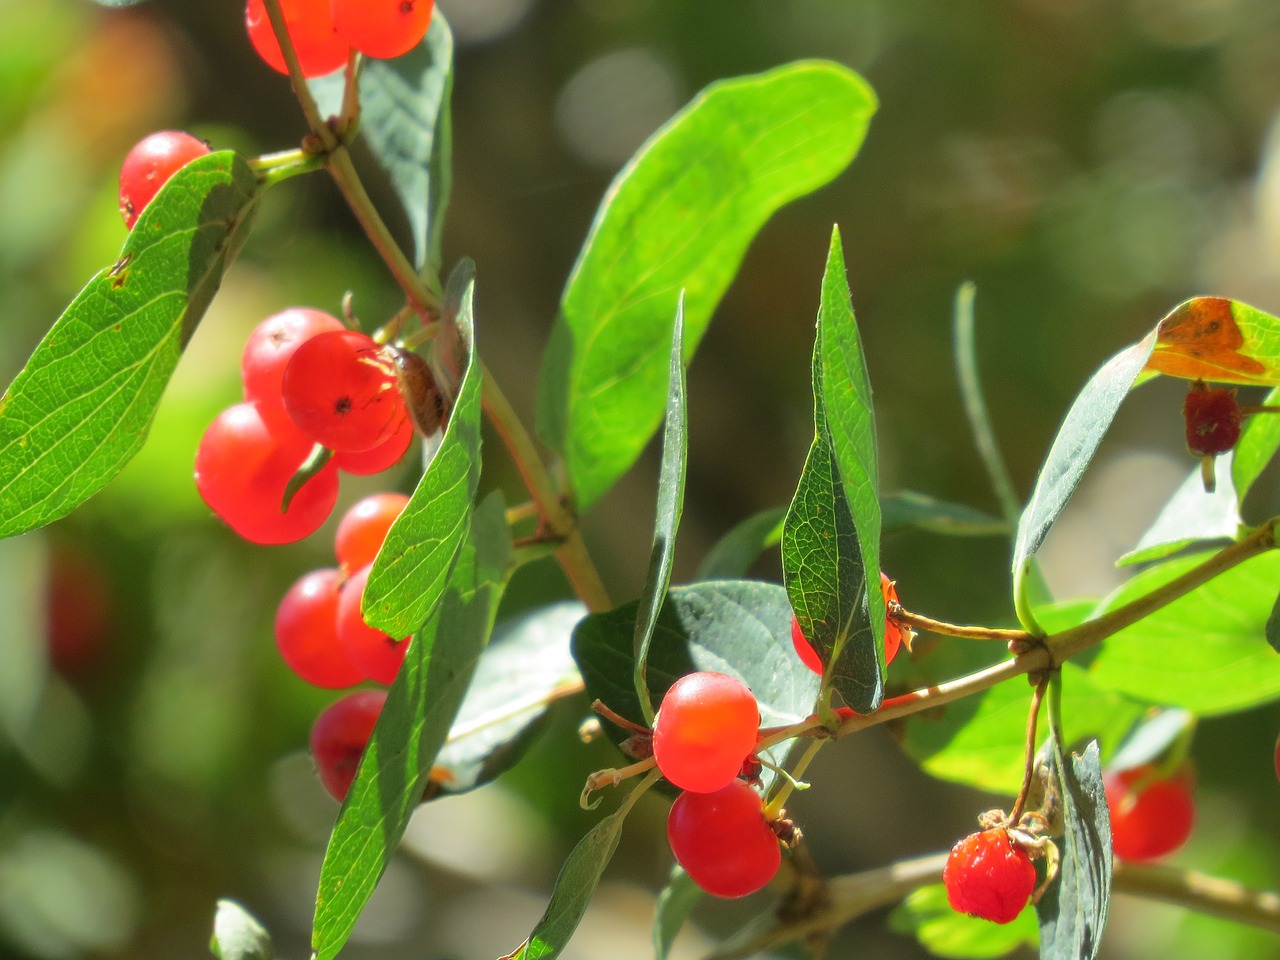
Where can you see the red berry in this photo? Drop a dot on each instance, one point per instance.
(242, 470)
(363, 528)
(707, 725)
(892, 633)
(310, 25)
(369, 649)
(723, 841)
(266, 354)
(804, 649)
(340, 392)
(382, 28)
(384, 456)
(150, 164)
(1151, 815)
(339, 737)
(1213, 419)
(989, 876)
(307, 632)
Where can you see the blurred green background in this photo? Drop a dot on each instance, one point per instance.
(1088, 163)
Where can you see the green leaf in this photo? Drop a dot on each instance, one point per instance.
(675, 455)
(675, 902)
(1073, 448)
(1204, 652)
(734, 554)
(1272, 629)
(577, 882)
(1160, 733)
(928, 917)
(831, 536)
(1258, 443)
(82, 406)
(907, 509)
(414, 723)
(411, 570)
(526, 666)
(680, 215)
(238, 936)
(1191, 518)
(1073, 910)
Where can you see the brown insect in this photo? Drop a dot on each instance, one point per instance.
(417, 385)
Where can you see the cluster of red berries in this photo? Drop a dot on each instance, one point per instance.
(893, 632)
(324, 32)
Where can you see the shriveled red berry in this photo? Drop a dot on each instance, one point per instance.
(1151, 815)
(382, 28)
(363, 528)
(373, 651)
(987, 875)
(1213, 419)
(267, 352)
(892, 633)
(242, 470)
(384, 456)
(150, 164)
(340, 735)
(307, 632)
(310, 25)
(723, 841)
(339, 391)
(706, 727)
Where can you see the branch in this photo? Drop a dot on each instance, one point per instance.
(1197, 891)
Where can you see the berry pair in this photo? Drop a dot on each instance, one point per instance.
(325, 31)
(893, 632)
(150, 164)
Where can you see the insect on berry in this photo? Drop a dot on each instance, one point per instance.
(893, 632)
(706, 727)
(417, 385)
(723, 841)
(150, 164)
(987, 875)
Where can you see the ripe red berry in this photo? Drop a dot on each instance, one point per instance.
(363, 528)
(1151, 815)
(339, 737)
(989, 876)
(723, 841)
(382, 28)
(892, 633)
(384, 456)
(339, 391)
(266, 354)
(150, 164)
(307, 632)
(242, 470)
(1213, 419)
(804, 649)
(370, 649)
(310, 25)
(707, 725)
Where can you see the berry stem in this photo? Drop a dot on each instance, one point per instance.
(921, 622)
(310, 109)
(1029, 764)
(790, 781)
(617, 719)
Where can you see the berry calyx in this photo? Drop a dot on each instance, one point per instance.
(268, 351)
(340, 393)
(723, 840)
(307, 632)
(310, 24)
(892, 632)
(150, 164)
(706, 727)
(1213, 419)
(339, 737)
(987, 875)
(371, 650)
(382, 28)
(1151, 814)
(363, 528)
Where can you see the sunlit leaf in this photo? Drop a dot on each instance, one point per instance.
(1259, 440)
(238, 936)
(928, 917)
(1191, 517)
(1213, 338)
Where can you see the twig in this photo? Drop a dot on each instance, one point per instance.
(1205, 894)
(921, 622)
(1029, 765)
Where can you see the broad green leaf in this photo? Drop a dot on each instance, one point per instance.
(576, 884)
(1154, 738)
(1073, 910)
(907, 509)
(1206, 652)
(675, 902)
(734, 554)
(1259, 440)
(238, 936)
(831, 536)
(81, 408)
(680, 215)
(927, 916)
(675, 454)
(1073, 448)
(411, 570)
(420, 709)
(525, 668)
(1213, 338)
(1191, 517)
(1272, 629)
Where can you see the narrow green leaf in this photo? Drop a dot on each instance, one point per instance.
(734, 554)
(1272, 630)
(680, 215)
(415, 721)
(82, 406)
(675, 455)
(908, 509)
(929, 917)
(409, 575)
(238, 936)
(526, 666)
(676, 901)
(577, 882)
(1073, 448)
(1258, 443)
